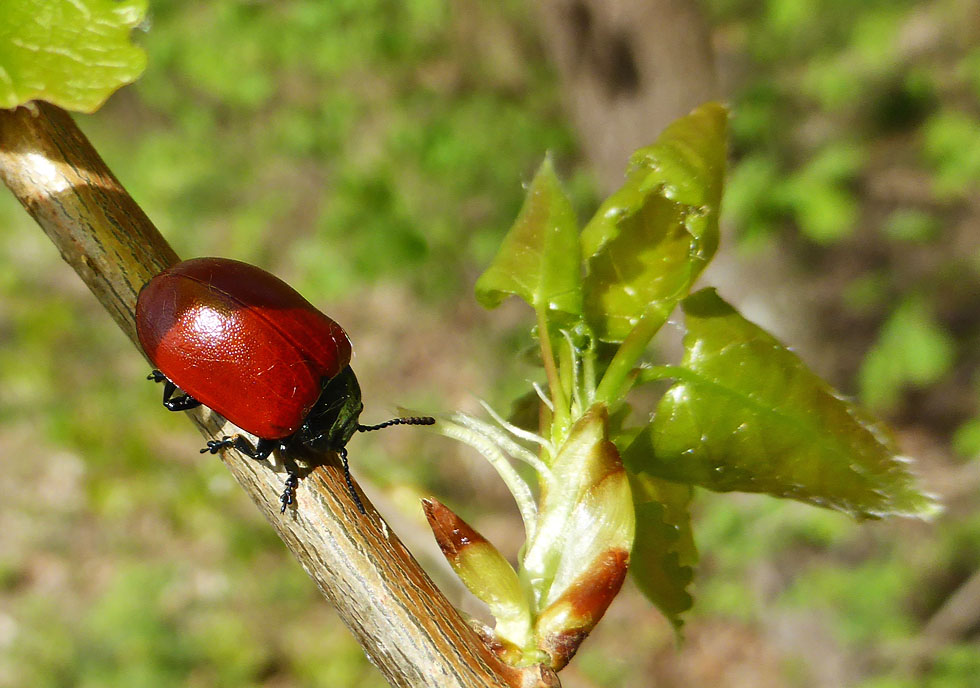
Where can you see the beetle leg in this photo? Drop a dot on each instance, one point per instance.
(182, 403)
(259, 452)
(214, 446)
(262, 450)
(289, 491)
(288, 495)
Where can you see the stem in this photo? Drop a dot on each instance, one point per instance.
(560, 404)
(588, 377)
(613, 385)
(574, 364)
(406, 626)
(566, 369)
(664, 372)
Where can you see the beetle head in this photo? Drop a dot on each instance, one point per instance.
(333, 419)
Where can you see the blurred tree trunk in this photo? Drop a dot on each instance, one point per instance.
(628, 69)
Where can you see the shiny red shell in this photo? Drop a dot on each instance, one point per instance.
(241, 341)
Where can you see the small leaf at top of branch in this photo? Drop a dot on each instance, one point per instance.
(539, 258)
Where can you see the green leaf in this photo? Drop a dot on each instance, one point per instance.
(539, 258)
(825, 213)
(912, 349)
(951, 144)
(751, 203)
(747, 414)
(825, 209)
(73, 53)
(911, 225)
(966, 439)
(650, 240)
(664, 555)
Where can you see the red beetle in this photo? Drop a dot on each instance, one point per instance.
(245, 344)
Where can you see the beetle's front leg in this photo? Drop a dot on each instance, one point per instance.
(259, 452)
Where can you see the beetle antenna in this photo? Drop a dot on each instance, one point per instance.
(418, 420)
(350, 483)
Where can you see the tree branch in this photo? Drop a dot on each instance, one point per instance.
(406, 626)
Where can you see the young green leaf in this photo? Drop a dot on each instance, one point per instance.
(644, 271)
(650, 240)
(539, 258)
(747, 414)
(664, 555)
(73, 53)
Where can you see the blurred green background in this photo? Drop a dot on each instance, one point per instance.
(372, 154)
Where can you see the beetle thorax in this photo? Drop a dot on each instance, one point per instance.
(334, 418)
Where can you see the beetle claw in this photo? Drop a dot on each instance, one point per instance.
(215, 446)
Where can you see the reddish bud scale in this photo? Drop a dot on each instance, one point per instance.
(582, 605)
(452, 533)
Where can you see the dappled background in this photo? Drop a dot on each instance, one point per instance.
(372, 154)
